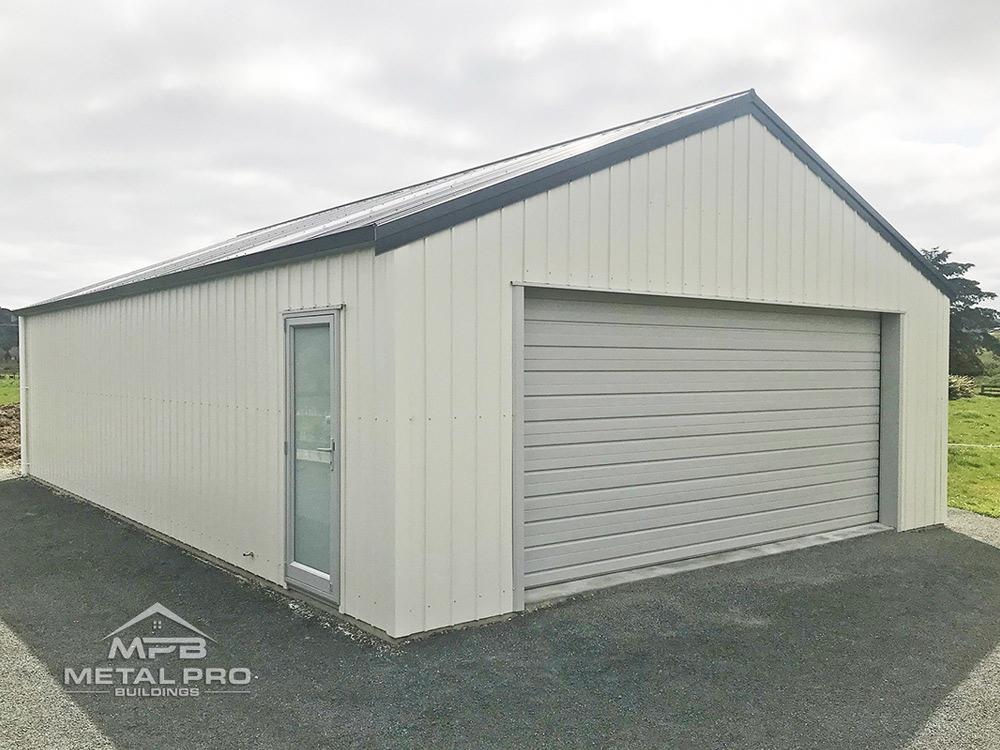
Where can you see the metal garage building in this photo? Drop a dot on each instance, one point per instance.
(681, 336)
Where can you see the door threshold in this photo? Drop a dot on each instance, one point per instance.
(313, 593)
(545, 594)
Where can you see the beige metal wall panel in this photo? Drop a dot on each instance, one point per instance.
(728, 214)
(168, 408)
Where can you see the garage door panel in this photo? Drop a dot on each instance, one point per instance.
(572, 431)
(577, 356)
(585, 525)
(568, 504)
(547, 457)
(594, 334)
(633, 382)
(666, 429)
(666, 404)
(553, 575)
(620, 475)
(727, 317)
(651, 540)
(694, 360)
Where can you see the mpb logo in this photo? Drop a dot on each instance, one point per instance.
(149, 647)
(132, 671)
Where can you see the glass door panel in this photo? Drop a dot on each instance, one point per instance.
(313, 539)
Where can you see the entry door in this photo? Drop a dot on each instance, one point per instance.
(311, 456)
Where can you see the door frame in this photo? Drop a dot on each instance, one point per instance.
(298, 576)
(893, 321)
(517, 440)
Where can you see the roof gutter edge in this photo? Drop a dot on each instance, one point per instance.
(352, 239)
(395, 233)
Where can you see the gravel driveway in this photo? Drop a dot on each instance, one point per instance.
(884, 641)
(969, 716)
(35, 712)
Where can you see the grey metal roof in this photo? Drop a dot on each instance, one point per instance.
(392, 219)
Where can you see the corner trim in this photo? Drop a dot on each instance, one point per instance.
(22, 339)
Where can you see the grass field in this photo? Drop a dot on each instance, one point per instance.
(974, 469)
(10, 428)
(10, 390)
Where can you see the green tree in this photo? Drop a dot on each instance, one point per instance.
(971, 323)
(8, 329)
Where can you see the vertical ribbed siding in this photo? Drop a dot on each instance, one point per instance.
(726, 214)
(168, 408)
(453, 422)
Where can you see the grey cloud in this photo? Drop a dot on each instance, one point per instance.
(136, 131)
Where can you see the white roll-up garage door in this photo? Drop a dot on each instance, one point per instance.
(659, 429)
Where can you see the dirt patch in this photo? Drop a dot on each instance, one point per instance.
(10, 436)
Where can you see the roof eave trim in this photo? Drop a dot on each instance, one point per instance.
(404, 230)
(353, 239)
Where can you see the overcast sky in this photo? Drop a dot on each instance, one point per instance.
(135, 131)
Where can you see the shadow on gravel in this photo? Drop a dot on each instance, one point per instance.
(848, 645)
